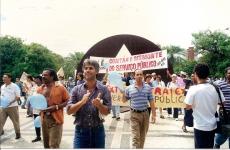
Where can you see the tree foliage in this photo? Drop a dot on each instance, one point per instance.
(71, 63)
(12, 52)
(215, 50)
(39, 57)
(17, 57)
(186, 66)
(176, 55)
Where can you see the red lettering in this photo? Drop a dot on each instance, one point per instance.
(165, 91)
(178, 91)
(160, 54)
(157, 90)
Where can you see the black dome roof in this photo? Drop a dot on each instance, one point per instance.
(110, 47)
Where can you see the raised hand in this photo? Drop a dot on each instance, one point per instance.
(86, 97)
(96, 102)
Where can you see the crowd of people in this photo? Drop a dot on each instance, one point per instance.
(89, 101)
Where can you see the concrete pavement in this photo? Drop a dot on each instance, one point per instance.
(166, 133)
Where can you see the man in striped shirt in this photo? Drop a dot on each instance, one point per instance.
(225, 88)
(140, 95)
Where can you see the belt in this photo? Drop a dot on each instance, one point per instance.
(139, 111)
(90, 127)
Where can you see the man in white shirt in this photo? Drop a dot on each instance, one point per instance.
(203, 99)
(11, 92)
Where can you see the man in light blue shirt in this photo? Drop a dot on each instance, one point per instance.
(140, 95)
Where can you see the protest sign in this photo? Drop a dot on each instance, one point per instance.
(169, 97)
(117, 96)
(147, 61)
(23, 77)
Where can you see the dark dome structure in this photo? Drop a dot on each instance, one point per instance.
(110, 47)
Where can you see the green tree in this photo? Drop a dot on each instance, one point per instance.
(214, 48)
(58, 60)
(38, 58)
(16, 57)
(186, 66)
(71, 62)
(176, 54)
(12, 52)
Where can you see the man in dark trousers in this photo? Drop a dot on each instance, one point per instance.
(203, 99)
(225, 88)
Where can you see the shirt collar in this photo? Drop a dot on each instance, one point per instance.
(56, 84)
(137, 86)
(98, 85)
(8, 84)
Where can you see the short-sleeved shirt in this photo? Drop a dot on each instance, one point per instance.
(10, 92)
(155, 83)
(204, 100)
(225, 88)
(80, 82)
(88, 114)
(58, 95)
(139, 98)
(180, 82)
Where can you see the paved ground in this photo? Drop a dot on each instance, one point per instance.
(166, 133)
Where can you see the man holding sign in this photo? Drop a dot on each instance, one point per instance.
(89, 101)
(140, 94)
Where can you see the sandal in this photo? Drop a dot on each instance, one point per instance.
(184, 129)
(162, 117)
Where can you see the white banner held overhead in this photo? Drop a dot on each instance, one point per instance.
(147, 61)
(23, 77)
(103, 63)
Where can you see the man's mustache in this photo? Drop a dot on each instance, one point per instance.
(43, 78)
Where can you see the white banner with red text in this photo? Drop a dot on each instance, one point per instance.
(146, 61)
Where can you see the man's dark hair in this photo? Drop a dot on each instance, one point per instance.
(30, 77)
(148, 76)
(81, 75)
(226, 70)
(38, 77)
(202, 71)
(8, 75)
(91, 62)
(53, 74)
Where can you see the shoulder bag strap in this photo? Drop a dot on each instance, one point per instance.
(222, 105)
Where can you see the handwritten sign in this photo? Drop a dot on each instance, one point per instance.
(147, 61)
(117, 96)
(169, 97)
(163, 97)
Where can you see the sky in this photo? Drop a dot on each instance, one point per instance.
(68, 26)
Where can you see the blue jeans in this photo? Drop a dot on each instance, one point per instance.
(116, 110)
(220, 139)
(91, 137)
